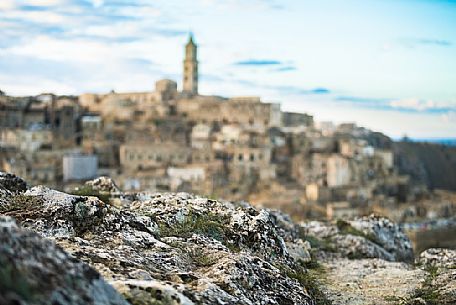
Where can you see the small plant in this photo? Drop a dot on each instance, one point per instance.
(206, 224)
(211, 225)
(309, 279)
(90, 191)
(313, 264)
(427, 292)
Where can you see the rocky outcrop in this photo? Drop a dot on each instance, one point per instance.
(184, 249)
(103, 184)
(34, 270)
(364, 237)
(440, 284)
(436, 257)
(11, 183)
(370, 281)
(387, 235)
(170, 248)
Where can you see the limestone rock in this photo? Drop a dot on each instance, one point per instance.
(370, 281)
(299, 250)
(103, 184)
(442, 265)
(172, 248)
(365, 237)
(34, 270)
(11, 183)
(184, 249)
(438, 257)
(386, 234)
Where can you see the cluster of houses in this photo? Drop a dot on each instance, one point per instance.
(179, 140)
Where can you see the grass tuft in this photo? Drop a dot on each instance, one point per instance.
(310, 279)
(210, 225)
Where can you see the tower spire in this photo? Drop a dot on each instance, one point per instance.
(190, 81)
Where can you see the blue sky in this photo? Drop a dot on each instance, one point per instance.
(389, 65)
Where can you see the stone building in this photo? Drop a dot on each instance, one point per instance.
(338, 171)
(79, 167)
(250, 161)
(92, 128)
(180, 175)
(200, 137)
(138, 156)
(165, 90)
(294, 119)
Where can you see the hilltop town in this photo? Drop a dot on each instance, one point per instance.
(238, 148)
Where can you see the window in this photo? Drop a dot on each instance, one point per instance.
(241, 157)
(252, 157)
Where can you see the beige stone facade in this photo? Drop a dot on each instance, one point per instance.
(142, 156)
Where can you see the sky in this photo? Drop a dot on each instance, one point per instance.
(389, 65)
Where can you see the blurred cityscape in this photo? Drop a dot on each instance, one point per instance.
(236, 148)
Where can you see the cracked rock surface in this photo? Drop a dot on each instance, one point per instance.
(166, 248)
(184, 249)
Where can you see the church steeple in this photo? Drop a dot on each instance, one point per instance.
(190, 82)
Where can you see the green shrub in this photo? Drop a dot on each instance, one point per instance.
(210, 225)
(86, 190)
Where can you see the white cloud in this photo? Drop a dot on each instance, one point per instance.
(449, 117)
(418, 104)
(7, 4)
(24, 85)
(44, 2)
(76, 50)
(41, 17)
(97, 3)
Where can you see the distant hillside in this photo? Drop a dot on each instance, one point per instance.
(443, 141)
(431, 164)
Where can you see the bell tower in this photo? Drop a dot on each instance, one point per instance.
(190, 81)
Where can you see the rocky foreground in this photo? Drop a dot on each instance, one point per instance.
(146, 248)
